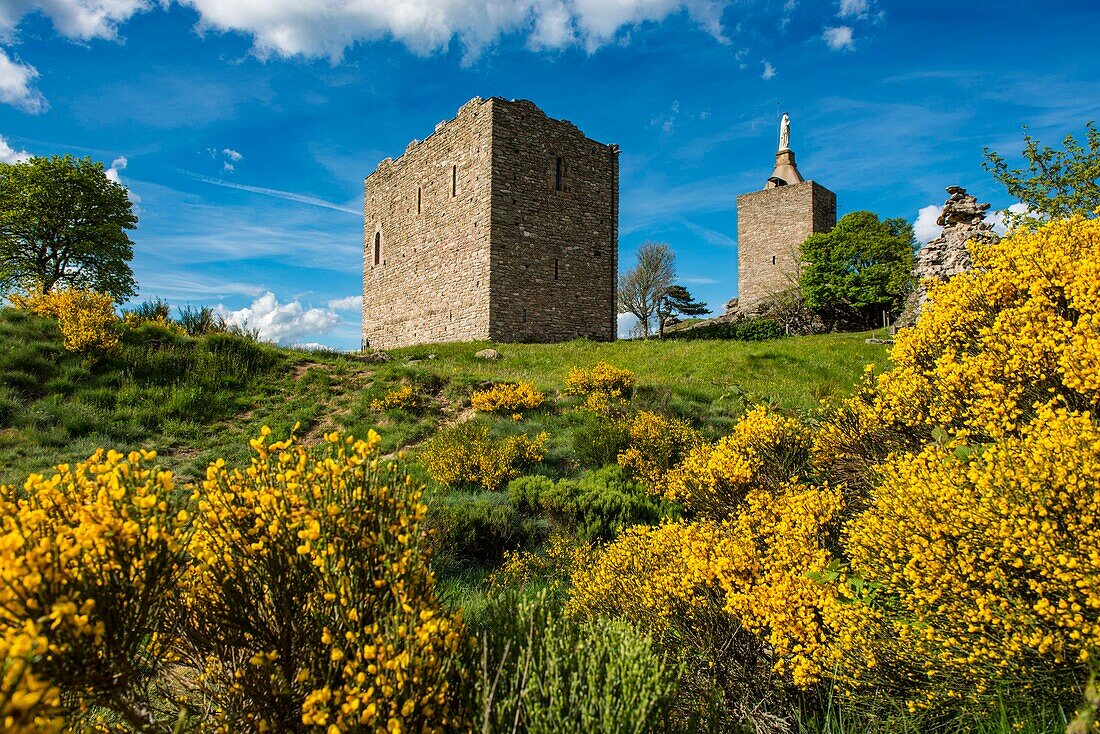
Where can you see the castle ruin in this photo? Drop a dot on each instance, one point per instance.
(773, 223)
(501, 225)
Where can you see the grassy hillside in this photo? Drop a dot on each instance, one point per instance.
(194, 399)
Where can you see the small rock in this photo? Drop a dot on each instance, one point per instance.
(488, 354)
(378, 357)
(431, 356)
(876, 340)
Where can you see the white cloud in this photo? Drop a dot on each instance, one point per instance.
(855, 8)
(232, 154)
(284, 323)
(78, 19)
(116, 165)
(349, 303)
(287, 28)
(553, 28)
(627, 324)
(997, 218)
(289, 195)
(294, 28)
(838, 38)
(769, 70)
(113, 174)
(227, 167)
(924, 226)
(9, 154)
(16, 86)
(710, 236)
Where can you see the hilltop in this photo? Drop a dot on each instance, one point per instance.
(196, 399)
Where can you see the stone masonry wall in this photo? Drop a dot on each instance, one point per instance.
(432, 281)
(554, 253)
(771, 225)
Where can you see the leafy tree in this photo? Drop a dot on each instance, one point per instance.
(641, 289)
(861, 268)
(1057, 183)
(63, 223)
(677, 301)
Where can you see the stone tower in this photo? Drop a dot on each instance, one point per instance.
(773, 223)
(501, 225)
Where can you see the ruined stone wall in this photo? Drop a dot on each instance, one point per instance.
(554, 252)
(771, 226)
(944, 257)
(431, 283)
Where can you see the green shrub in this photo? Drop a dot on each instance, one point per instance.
(200, 321)
(238, 356)
(526, 493)
(544, 673)
(596, 506)
(153, 309)
(474, 529)
(153, 333)
(598, 439)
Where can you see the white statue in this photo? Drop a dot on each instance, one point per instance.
(785, 133)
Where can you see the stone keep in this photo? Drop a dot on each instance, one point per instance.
(501, 225)
(771, 226)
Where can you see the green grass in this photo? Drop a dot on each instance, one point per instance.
(197, 399)
(795, 372)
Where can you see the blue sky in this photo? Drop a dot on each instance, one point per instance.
(244, 129)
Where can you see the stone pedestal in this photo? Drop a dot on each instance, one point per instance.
(785, 170)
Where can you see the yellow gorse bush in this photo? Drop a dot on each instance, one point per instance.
(766, 562)
(467, 454)
(403, 397)
(28, 703)
(936, 534)
(657, 444)
(754, 571)
(87, 320)
(507, 398)
(657, 578)
(991, 562)
(92, 555)
(765, 450)
(1021, 327)
(133, 320)
(298, 597)
(984, 541)
(313, 605)
(603, 379)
